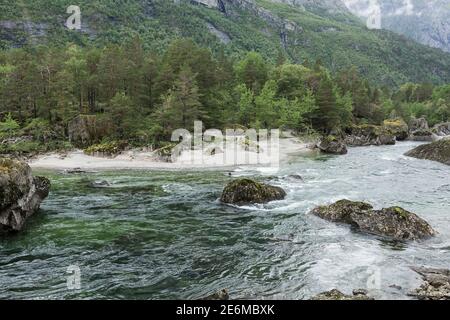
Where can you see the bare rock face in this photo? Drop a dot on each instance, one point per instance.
(436, 284)
(20, 194)
(246, 191)
(332, 145)
(395, 222)
(437, 151)
(338, 295)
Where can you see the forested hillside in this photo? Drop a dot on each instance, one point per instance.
(130, 95)
(272, 28)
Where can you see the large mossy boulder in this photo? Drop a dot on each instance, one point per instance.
(332, 145)
(436, 151)
(86, 130)
(247, 191)
(397, 128)
(369, 135)
(395, 222)
(20, 194)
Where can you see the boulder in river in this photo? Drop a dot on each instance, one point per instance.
(436, 284)
(20, 194)
(368, 135)
(395, 223)
(397, 128)
(436, 151)
(220, 295)
(420, 131)
(442, 129)
(247, 191)
(332, 145)
(338, 295)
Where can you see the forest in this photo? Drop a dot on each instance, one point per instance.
(140, 96)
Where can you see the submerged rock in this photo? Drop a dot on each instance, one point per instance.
(220, 295)
(394, 222)
(332, 145)
(100, 184)
(338, 295)
(368, 135)
(20, 194)
(436, 284)
(436, 151)
(247, 191)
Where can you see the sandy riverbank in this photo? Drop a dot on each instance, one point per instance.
(137, 159)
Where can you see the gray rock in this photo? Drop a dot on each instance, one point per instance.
(394, 223)
(369, 135)
(20, 194)
(332, 145)
(436, 151)
(220, 295)
(246, 191)
(442, 129)
(100, 184)
(436, 284)
(338, 295)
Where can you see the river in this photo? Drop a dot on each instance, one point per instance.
(164, 235)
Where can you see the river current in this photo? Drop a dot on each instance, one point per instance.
(164, 234)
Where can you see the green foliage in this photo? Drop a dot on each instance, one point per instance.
(142, 96)
(8, 127)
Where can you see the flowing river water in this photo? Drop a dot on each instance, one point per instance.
(164, 234)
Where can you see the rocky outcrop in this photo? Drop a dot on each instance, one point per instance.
(395, 222)
(436, 151)
(20, 194)
(246, 191)
(441, 129)
(338, 295)
(86, 130)
(369, 135)
(397, 128)
(420, 131)
(436, 284)
(332, 145)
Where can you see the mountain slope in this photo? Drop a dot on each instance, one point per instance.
(302, 30)
(426, 21)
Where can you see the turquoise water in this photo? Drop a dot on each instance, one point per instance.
(164, 235)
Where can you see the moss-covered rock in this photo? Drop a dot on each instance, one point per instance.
(337, 295)
(332, 145)
(396, 127)
(247, 191)
(367, 135)
(436, 151)
(20, 194)
(395, 222)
